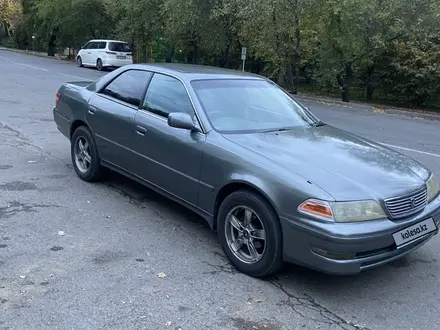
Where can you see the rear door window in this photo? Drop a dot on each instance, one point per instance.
(128, 87)
(119, 47)
(102, 45)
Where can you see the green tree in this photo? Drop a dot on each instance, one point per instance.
(356, 33)
(10, 11)
(139, 22)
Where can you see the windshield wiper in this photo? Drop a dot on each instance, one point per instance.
(283, 129)
(319, 123)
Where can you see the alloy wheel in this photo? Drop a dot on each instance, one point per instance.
(83, 159)
(245, 234)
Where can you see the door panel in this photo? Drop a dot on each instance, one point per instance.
(93, 53)
(166, 156)
(85, 53)
(112, 124)
(111, 116)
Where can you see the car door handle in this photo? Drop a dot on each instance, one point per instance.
(92, 110)
(141, 130)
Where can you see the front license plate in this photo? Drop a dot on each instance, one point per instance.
(415, 231)
(121, 57)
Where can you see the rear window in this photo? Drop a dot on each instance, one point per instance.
(119, 47)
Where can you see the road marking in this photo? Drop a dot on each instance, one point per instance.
(45, 70)
(72, 76)
(413, 150)
(30, 66)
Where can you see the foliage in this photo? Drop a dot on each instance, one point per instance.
(380, 47)
(10, 11)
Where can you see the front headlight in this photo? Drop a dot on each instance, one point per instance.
(433, 189)
(343, 211)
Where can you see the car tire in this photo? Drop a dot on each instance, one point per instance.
(79, 62)
(99, 64)
(263, 217)
(85, 158)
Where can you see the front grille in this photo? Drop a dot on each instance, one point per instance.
(399, 207)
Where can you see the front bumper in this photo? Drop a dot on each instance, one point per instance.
(364, 245)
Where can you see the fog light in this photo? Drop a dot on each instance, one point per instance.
(333, 255)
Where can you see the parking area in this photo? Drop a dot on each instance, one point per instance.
(115, 255)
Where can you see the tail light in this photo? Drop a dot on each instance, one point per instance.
(57, 98)
(110, 53)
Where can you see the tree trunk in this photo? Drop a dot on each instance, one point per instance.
(346, 94)
(297, 59)
(227, 51)
(51, 45)
(143, 47)
(370, 87)
(281, 76)
(196, 50)
(170, 54)
(345, 81)
(370, 91)
(290, 79)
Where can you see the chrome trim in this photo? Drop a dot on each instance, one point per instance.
(152, 114)
(403, 206)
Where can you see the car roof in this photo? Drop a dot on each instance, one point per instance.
(195, 72)
(107, 40)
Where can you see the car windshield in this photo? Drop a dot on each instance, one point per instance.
(242, 105)
(119, 47)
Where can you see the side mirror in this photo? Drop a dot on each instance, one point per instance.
(181, 120)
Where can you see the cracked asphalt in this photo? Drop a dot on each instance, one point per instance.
(87, 256)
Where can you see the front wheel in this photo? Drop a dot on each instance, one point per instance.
(79, 61)
(250, 234)
(84, 155)
(99, 64)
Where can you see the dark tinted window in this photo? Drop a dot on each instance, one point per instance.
(129, 86)
(119, 47)
(166, 94)
(93, 45)
(102, 45)
(88, 45)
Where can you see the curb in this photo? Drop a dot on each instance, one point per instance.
(411, 114)
(319, 99)
(21, 51)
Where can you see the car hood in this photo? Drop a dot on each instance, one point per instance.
(345, 165)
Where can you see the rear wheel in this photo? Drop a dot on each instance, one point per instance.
(99, 64)
(84, 154)
(79, 61)
(250, 234)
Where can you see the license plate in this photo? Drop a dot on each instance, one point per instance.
(121, 57)
(418, 230)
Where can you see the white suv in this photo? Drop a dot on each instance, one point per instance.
(104, 53)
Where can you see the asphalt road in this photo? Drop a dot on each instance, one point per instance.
(101, 272)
